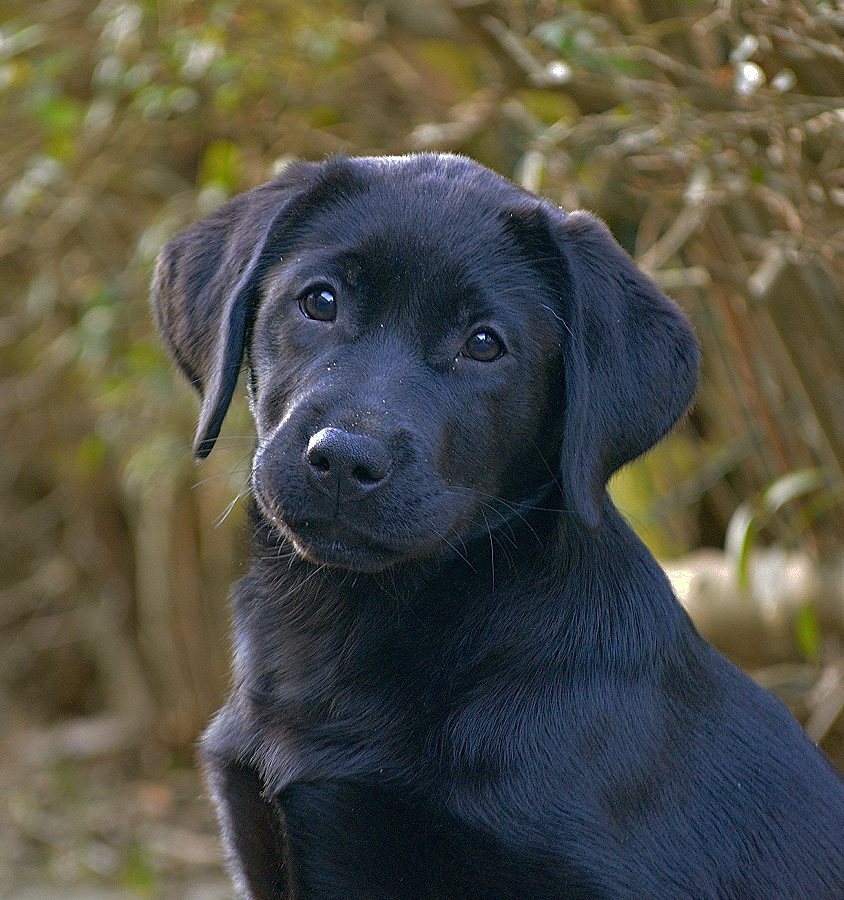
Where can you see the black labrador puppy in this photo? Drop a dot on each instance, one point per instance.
(458, 674)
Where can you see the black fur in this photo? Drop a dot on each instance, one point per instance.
(458, 674)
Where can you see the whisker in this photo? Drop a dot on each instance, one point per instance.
(554, 474)
(559, 318)
(523, 503)
(320, 568)
(234, 437)
(229, 474)
(514, 509)
(491, 550)
(462, 556)
(239, 468)
(230, 507)
(504, 521)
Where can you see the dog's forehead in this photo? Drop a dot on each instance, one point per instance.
(430, 230)
(416, 210)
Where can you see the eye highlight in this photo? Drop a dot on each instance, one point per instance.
(484, 346)
(319, 303)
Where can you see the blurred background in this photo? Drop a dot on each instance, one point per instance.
(708, 135)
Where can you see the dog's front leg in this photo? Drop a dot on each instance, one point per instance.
(348, 840)
(253, 831)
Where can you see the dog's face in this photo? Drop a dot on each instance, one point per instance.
(429, 348)
(401, 360)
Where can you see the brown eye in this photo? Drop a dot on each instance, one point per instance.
(319, 304)
(484, 346)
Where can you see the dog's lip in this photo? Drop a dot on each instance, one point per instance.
(337, 533)
(337, 544)
(332, 534)
(343, 543)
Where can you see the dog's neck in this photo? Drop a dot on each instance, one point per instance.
(583, 573)
(386, 659)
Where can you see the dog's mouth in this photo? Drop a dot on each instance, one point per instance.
(331, 542)
(335, 544)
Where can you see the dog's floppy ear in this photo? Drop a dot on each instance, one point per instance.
(204, 291)
(630, 365)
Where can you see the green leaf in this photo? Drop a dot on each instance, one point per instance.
(739, 541)
(548, 106)
(15, 40)
(556, 34)
(744, 525)
(324, 116)
(791, 487)
(58, 114)
(138, 874)
(623, 64)
(221, 165)
(319, 45)
(91, 453)
(807, 633)
(450, 62)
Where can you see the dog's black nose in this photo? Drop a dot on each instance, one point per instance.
(346, 461)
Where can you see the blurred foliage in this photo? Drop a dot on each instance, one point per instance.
(708, 135)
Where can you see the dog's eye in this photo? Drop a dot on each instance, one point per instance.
(484, 346)
(319, 304)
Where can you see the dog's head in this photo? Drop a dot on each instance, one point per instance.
(429, 348)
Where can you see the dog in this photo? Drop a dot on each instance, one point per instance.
(457, 672)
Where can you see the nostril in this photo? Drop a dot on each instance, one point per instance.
(365, 475)
(318, 460)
